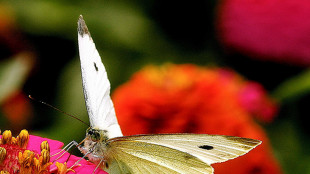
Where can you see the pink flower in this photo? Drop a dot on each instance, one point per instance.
(252, 97)
(277, 30)
(33, 154)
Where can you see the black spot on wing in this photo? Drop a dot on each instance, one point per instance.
(206, 147)
(95, 65)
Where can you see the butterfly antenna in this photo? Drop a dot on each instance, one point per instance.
(58, 110)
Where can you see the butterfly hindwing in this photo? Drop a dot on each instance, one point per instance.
(141, 157)
(175, 153)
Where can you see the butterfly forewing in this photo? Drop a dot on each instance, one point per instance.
(96, 85)
(177, 153)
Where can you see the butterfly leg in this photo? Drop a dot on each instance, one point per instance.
(77, 162)
(101, 161)
(65, 149)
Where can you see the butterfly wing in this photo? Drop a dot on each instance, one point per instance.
(174, 153)
(96, 85)
(140, 158)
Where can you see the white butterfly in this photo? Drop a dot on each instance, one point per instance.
(159, 153)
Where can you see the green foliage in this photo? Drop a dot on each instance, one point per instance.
(13, 74)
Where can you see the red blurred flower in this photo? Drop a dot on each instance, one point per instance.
(17, 109)
(276, 30)
(189, 99)
(29, 154)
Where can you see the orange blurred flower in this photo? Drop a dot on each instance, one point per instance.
(187, 98)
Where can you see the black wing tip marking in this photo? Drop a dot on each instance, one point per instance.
(82, 28)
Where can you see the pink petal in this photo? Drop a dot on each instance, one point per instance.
(83, 167)
(35, 143)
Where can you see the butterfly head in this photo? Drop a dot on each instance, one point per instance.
(95, 142)
(96, 135)
(95, 145)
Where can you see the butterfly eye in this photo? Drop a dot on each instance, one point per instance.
(94, 134)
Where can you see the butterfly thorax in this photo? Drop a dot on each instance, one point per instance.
(96, 144)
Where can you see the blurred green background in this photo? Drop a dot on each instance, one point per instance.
(130, 35)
